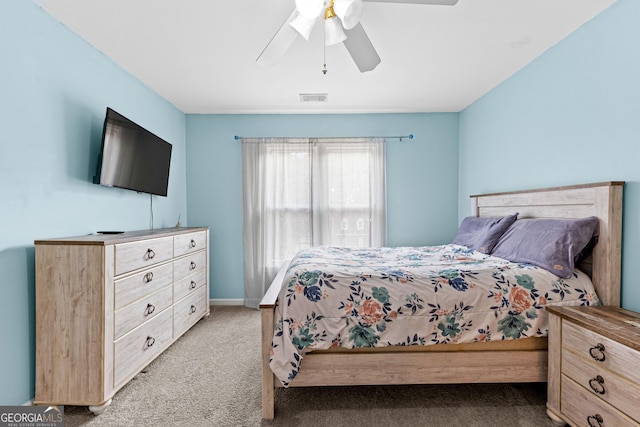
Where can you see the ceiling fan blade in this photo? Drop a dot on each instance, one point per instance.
(361, 49)
(441, 2)
(279, 43)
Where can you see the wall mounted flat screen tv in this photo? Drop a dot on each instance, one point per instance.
(132, 157)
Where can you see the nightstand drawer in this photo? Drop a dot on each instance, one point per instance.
(585, 409)
(601, 352)
(603, 384)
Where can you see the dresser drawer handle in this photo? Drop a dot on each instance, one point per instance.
(597, 352)
(193, 285)
(593, 419)
(150, 254)
(148, 277)
(150, 309)
(193, 243)
(597, 384)
(192, 266)
(149, 342)
(193, 310)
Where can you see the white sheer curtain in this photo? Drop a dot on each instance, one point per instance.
(303, 192)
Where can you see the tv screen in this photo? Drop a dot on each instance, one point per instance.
(132, 157)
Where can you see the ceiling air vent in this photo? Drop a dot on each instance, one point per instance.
(313, 97)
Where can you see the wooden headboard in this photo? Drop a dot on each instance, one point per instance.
(603, 200)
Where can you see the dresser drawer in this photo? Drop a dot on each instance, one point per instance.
(134, 255)
(187, 243)
(136, 286)
(603, 384)
(189, 310)
(189, 284)
(140, 311)
(136, 349)
(585, 409)
(600, 351)
(188, 265)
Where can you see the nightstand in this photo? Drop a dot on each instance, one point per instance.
(594, 366)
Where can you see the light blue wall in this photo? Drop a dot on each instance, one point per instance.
(54, 89)
(569, 117)
(422, 177)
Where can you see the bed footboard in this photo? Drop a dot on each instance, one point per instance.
(267, 308)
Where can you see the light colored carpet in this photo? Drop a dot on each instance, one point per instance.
(211, 377)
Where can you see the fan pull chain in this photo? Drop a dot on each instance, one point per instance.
(324, 57)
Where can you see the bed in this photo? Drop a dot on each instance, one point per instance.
(492, 361)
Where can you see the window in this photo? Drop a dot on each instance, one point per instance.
(302, 193)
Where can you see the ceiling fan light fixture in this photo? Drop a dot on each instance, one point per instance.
(333, 32)
(303, 25)
(349, 12)
(310, 9)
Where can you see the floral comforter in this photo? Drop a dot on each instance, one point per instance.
(376, 297)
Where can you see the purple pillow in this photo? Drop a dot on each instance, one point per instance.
(482, 234)
(552, 244)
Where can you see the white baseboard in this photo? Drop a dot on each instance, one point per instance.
(226, 301)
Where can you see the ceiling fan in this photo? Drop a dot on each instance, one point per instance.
(342, 25)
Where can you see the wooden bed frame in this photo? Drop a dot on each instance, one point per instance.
(489, 363)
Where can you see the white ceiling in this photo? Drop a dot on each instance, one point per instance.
(200, 54)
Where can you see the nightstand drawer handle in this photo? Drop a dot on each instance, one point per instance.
(192, 310)
(193, 285)
(148, 277)
(597, 352)
(150, 254)
(597, 384)
(193, 243)
(593, 419)
(192, 266)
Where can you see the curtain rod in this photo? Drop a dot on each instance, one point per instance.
(324, 138)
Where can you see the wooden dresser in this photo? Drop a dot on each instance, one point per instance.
(108, 304)
(594, 366)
